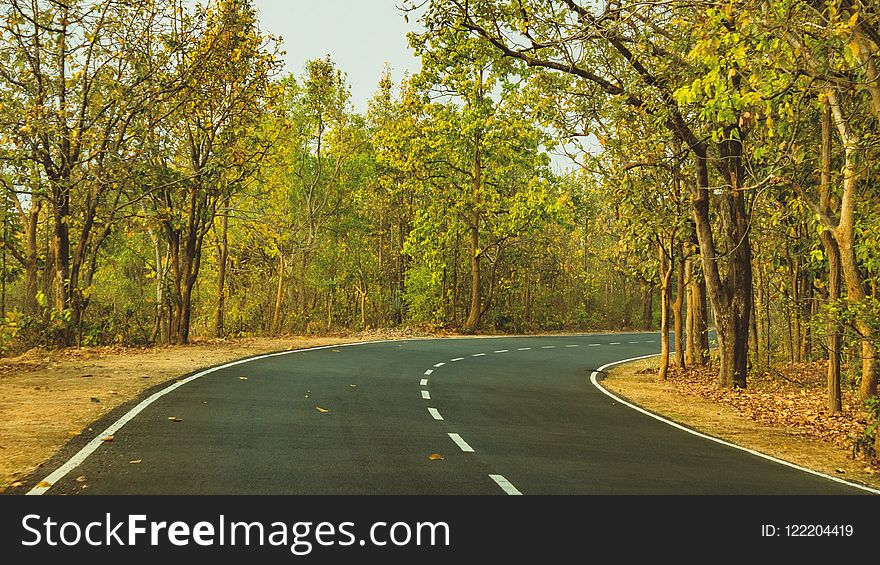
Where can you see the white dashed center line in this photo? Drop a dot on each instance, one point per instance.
(614, 343)
(524, 349)
(461, 443)
(435, 414)
(572, 346)
(548, 347)
(439, 364)
(635, 342)
(478, 355)
(502, 351)
(505, 485)
(424, 382)
(426, 395)
(429, 371)
(457, 359)
(594, 345)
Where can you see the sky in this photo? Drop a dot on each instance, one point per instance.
(360, 36)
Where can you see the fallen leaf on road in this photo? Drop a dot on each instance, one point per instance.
(321, 410)
(135, 461)
(353, 386)
(44, 484)
(242, 378)
(107, 438)
(174, 419)
(335, 351)
(435, 457)
(80, 479)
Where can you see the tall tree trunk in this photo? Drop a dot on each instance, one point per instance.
(844, 234)
(795, 313)
(279, 297)
(666, 268)
(678, 311)
(222, 259)
(475, 309)
(832, 328)
(31, 264)
(647, 306)
(731, 295)
(690, 325)
(61, 247)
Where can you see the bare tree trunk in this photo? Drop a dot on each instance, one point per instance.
(732, 294)
(222, 259)
(691, 334)
(666, 269)
(832, 328)
(647, 306)
(476, 309)
(279, 297)
(678, 311)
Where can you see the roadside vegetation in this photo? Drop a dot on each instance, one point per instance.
(163, 181)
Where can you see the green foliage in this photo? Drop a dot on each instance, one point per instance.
(865, 444)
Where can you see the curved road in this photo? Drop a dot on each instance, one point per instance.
(507, 415)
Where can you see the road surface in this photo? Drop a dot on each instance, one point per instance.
(437, 416)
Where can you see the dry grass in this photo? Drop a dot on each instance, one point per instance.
(778, 415)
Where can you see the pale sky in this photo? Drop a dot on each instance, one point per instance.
(359, 35)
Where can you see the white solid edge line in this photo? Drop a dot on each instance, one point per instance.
(96, 442)
(435, 413)
(429, 371)
(594, 380)
(461, 443)
(423, 382)
(505, 485)
(426, 395)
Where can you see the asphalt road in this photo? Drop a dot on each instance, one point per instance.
(365, 419)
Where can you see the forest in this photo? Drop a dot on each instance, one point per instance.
(164, 180)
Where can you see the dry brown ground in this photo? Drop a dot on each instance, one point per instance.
(781, 414)
(50, 397)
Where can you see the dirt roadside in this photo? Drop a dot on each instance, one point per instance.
(782, 416)
(48, 398)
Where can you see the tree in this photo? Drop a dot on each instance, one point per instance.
(211, 146)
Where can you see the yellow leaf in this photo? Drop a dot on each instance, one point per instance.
(135, 461)
(80, 479)
(435, 457)
(107, 438)
(44, 484)
(174, 419)
(17, 484)
(321, 410)
(242, 378)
